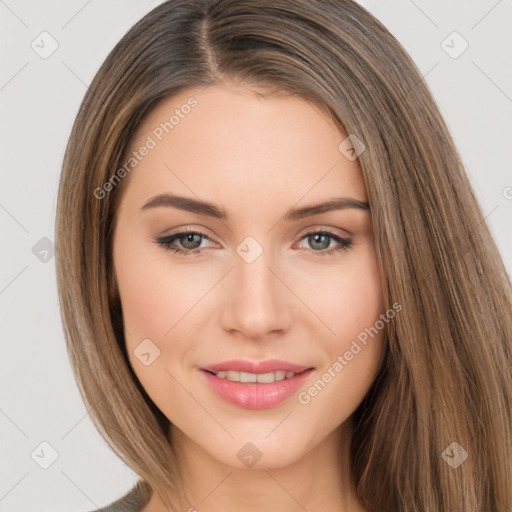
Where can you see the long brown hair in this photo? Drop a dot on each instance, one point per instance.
(446, 376)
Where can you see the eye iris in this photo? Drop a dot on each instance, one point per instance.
(189, 238)
(313, 239)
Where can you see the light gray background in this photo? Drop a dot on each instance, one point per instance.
(39, 400)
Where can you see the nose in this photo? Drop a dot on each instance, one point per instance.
(258, 304)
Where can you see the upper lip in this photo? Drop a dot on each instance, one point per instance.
(270, 365)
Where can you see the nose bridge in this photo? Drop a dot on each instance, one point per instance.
(253, 279)
(251, 268)
(257, 300)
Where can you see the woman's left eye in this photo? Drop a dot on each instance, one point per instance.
(318, 238)
(190, 242)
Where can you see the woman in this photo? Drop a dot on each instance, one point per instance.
(223, 149)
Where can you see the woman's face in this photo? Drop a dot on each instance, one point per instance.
(252, 282)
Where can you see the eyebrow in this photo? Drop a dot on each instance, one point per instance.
(204, 208)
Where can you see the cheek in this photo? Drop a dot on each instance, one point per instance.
(156, 302)
(145, 300)
(353, 311)
(354, 353)
(352, 299)
(160, 303)
(155, 295)
(360, 304)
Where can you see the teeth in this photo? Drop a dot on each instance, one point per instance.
(247, 377)
(234, 376)
(264, 378)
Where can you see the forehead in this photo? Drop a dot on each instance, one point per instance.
(228, 142)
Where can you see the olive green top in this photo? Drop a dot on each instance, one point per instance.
(133, 501)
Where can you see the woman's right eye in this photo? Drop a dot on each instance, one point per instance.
(188, 239)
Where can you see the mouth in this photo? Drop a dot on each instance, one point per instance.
(256, 389)
(262, 378)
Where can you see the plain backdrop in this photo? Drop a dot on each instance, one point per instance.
(42, 418)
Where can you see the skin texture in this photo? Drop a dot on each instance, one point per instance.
(256, 158)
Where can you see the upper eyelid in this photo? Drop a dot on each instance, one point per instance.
(301, 235)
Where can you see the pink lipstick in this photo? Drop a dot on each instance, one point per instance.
(253, 385)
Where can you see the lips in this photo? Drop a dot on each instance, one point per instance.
(256, 395)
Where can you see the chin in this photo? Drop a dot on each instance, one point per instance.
(258, 452)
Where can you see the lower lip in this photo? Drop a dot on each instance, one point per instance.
(256, 395)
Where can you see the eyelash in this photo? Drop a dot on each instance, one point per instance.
(167, 241)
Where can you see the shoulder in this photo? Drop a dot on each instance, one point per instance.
(133, 501)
